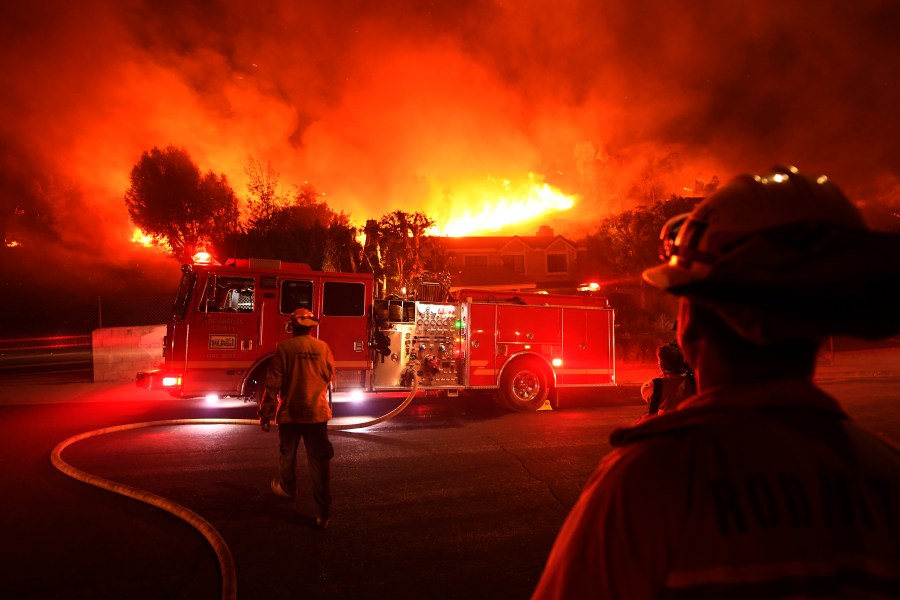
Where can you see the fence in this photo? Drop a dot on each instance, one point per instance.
(33, 327)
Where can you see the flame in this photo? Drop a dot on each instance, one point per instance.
(141, 239)
(12, 244)
(502, 204)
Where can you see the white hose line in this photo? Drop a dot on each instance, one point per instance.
(385, 417)
(226, 562)
(215, 539)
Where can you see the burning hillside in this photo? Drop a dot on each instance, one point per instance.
(483, 114)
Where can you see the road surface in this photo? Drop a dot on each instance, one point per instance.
(451, 499)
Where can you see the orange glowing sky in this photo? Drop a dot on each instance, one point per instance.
(426, 105)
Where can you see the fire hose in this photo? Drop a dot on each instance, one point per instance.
(215, 539)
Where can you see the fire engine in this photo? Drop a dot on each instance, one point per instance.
(524, 347)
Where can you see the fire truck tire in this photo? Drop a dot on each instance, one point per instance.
(524, 385)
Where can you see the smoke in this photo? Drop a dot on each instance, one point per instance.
(397, 104)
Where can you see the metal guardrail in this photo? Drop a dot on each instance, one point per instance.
(53, 342)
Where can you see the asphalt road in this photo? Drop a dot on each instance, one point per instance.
(452, 499)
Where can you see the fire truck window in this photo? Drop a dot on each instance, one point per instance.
(294, 295)
(228, 294)
(343, 299)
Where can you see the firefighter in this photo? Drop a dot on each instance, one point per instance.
(297, 397)
(759, 486)
(665, 393)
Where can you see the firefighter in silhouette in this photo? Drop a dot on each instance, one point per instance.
(676, 383)
(297, 399)
(759, 486)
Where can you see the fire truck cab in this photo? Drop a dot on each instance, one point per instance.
(228, 319)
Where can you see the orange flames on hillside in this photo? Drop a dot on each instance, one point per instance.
(470, 209)
(479, 208)
(141, 239)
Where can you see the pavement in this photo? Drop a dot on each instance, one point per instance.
(832, 366)
(437, 477)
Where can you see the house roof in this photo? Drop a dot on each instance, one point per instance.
(500, 243)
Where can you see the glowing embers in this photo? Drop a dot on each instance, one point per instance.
(489, 206)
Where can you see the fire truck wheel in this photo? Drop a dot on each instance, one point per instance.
(524, 386)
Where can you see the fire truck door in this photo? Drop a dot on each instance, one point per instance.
(587, 347)
(482, 344)
(224, 335)
(343, 324)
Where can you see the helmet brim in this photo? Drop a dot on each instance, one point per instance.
(666, 278)
(307, 321)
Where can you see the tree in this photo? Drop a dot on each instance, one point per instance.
(616, 253)
(264, 200)
(402, 237)
(372, 259)
(301, 228)
(625, 244)
(27, 197)
(178, 207)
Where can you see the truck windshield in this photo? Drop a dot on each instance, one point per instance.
(188, 280)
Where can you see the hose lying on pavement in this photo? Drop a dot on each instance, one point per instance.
(215, 539)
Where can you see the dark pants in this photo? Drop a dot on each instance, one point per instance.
(319, 452)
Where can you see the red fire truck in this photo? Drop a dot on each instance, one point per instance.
(227, 320)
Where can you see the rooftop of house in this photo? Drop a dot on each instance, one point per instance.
(498, 243)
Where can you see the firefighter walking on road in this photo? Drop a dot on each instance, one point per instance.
(297, 397)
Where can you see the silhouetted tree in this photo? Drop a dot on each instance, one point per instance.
(263, 201)
(301, 228)
(372, 257)
(178, 207)
(621, 247)
(27, 198)
(647, 185)
(625, 244)
(401, 238)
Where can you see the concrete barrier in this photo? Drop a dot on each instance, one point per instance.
(120, 352)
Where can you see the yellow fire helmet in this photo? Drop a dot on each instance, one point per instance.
(304, 318)
(783, 256)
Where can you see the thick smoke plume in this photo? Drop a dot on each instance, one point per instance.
(404, 104)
